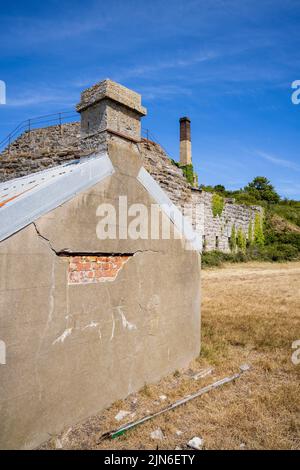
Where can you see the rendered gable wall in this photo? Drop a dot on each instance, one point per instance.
(84, 327)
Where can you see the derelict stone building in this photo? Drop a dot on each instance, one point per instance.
(85, 319)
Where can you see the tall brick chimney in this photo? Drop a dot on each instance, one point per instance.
(185, 141)
(108, 110)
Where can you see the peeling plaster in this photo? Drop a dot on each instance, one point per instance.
(113, 327)
(62, 337)
(91, 325)
(125, 322)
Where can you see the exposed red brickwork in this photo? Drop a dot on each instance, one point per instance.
(89, 269)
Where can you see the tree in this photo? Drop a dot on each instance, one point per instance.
(262, 189)
(219, 188)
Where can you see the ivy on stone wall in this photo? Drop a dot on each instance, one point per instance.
(175, 163)
(241, 240)
(233, 239)
(250, 233)
(188, 171)
(259, 238)
(217, 205)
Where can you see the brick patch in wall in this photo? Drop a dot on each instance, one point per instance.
(92, 269)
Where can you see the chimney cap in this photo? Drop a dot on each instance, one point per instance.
(184, 118)
(107, 89)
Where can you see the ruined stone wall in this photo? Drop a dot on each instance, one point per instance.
(168, 175)
(217, 229)
(53, 145)
(39, 149)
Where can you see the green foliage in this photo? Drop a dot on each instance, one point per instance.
(250, 233)
(233, 239)
(217, 258)
(217, 205)
(219, 188)
(241, 240)
(289, 210)
(278, 252)
(175, 163)
(188, 171)
(261, 189)
(269, 237)
(278, 246)
(248, 199)
(258, 238)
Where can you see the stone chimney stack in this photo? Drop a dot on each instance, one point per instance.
(185, 141)
(109, 110)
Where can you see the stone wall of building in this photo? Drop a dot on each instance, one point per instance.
(40, 148)
(216, 231)
(53, 145)
(197, 205)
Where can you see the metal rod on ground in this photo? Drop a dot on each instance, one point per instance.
(219, 383)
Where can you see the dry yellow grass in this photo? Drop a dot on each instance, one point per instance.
(250, 314)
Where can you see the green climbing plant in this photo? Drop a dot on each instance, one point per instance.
(217, 205)
(188, 171)
(250, 233)
(233, 239)
(258, 238)
(241, 240)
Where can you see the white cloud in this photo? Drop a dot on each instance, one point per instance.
(278, 161)
(43, 96)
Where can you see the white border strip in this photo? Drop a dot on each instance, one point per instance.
(52, 193)
(180, 222)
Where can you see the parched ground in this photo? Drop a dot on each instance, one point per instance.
(250, 314)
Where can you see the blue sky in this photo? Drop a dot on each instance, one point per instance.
(227, 64)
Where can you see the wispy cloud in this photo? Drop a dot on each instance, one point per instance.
(180, 62)
(44, 96)
(24, 31)
(291, 190)
(163, 92)
(278, 161)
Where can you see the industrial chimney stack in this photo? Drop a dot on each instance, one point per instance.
(185, 141)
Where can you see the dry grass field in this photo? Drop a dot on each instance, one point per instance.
(250, 314)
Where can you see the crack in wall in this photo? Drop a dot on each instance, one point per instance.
(66, 252)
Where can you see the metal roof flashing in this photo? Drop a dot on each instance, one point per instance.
(25, 199)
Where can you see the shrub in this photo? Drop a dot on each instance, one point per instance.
(241, 240)
(233, 239)
(188, 171)
(279, 252)
(217, 258)
(259, 238)
(250, 234)
(217, 205)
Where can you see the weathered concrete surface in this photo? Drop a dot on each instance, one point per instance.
(72, 349)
